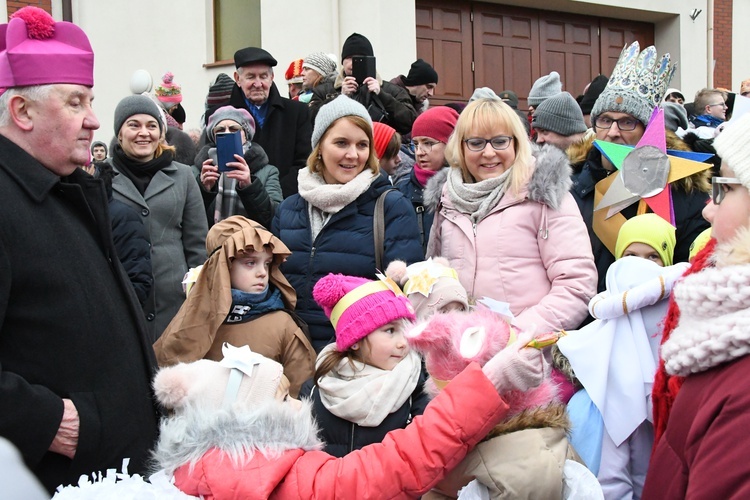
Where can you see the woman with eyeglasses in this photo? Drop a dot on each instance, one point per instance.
(252, 187)
(422, 182)
(508, 225)
(167, 198)
(701, 402)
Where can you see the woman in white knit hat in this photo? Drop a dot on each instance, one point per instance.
(328, 225)
(703, 452)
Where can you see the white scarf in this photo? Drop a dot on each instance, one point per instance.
(714, 326)
(475, 199)
(324, 200)
(364, 394)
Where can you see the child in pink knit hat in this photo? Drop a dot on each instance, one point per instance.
(369, 382)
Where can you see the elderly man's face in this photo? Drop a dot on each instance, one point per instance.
(558, 140)
(255, 81)
(62, 128)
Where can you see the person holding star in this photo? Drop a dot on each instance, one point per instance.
(620, 117)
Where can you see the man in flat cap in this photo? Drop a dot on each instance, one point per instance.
(75, 360)
(282, 126)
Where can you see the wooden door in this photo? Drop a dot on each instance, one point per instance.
(616, 34)
(444, 40)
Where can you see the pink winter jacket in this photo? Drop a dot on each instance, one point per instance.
(531, 251)
(406, 464)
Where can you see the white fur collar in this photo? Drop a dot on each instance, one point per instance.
(270, 429)
(714, 326)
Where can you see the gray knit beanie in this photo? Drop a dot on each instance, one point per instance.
(675, 116)
(136, 105)
(337, 108)
(544, 87)
(483, 93)
(320, 62)
(241, 116)
(560, 114)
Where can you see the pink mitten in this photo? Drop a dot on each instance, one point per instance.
(517, 367)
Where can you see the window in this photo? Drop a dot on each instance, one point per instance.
(236, 25)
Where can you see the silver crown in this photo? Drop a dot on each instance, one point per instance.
(642, 74)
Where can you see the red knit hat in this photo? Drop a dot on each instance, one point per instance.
(294, 71)
(358, 306)
(168, 91)
(437, 123)
(381, 135)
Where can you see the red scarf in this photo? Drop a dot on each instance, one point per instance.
(423, 175)
(667, 386)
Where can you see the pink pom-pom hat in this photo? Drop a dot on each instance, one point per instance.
(36, 50)
(358, 306)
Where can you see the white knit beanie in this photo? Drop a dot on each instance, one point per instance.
(544, 87)
(321, 62)
(733, 148)
(337, 108)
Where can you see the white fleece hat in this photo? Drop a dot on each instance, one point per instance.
(733, 147)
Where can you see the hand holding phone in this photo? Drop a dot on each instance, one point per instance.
(228, 144)
(362, 68)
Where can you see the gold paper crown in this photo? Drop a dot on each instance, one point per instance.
(637, 84)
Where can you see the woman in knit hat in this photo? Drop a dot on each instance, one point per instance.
(507, 223)
(424, 181)
(239, 296)
(251, 188)
(328, 225)
(317, 68)
(369, 382)
(700, 451)
(164, 192)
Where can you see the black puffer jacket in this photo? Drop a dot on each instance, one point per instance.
(342, 437)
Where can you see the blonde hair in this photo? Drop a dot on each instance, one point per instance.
(315, 162)
(162, 147)
(485, 116)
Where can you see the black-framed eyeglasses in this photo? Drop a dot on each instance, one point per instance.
(426, 147)
(498, 143)
(625, 124)
(718, 187)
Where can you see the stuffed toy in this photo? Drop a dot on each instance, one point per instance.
(525, 455)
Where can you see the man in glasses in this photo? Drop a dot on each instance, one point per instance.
(711, 110)
(620, 116)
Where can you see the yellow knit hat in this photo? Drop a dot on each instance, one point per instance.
(699, 242)
(649, 229)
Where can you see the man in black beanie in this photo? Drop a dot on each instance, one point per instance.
(420, 83)
(385, 102)
(590, 95)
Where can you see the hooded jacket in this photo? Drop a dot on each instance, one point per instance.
(397, 102)
(701, 453)
(259, 199)
(272, 453)
(531, 250)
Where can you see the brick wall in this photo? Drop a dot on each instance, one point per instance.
(14, 5)
(723, 43)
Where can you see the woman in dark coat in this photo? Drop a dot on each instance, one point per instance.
(328, 226)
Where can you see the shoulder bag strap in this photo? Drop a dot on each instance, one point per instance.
(378, 228)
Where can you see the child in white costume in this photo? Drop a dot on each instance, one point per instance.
(616, 356)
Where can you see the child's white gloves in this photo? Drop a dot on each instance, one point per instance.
(517, 367)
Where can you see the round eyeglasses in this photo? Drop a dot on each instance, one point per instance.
(498, 143)
(426, 147)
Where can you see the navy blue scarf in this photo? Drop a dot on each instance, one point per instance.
(247, 306)
(707, 121)
(259, 112)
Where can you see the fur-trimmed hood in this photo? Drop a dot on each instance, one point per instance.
(548, 184)
(270, 429)
(552, 415)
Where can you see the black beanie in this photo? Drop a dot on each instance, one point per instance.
(356, 45)
(421, 73)
(596, 87)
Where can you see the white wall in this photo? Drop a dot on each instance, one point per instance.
(176, 36)
(740, 43)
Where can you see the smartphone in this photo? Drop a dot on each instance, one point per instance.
(362, 67)
(228, 144)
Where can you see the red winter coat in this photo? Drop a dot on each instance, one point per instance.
(704, 452)
(405, 465)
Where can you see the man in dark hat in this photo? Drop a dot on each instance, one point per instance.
(384, 101)
(282, 126)
(420, 83)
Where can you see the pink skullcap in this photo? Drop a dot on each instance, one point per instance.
(36, 50)
(381, 135)
(358, 306)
